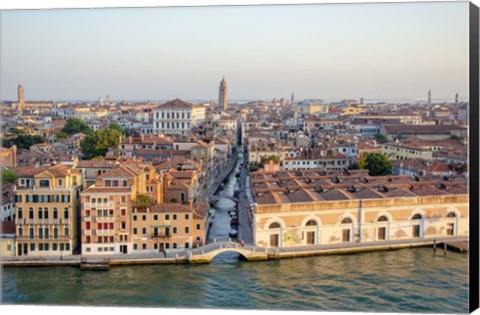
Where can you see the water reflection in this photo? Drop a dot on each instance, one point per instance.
(384, 281)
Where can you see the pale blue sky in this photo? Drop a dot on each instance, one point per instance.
(317, 51)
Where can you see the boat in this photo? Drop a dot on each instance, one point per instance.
(221, 187)
(233, 233)
(233, 222)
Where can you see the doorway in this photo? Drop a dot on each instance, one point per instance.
(311, 238)
(273, 240)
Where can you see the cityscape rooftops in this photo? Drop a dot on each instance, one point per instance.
(301, 186)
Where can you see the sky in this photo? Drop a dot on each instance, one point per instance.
(328, 51)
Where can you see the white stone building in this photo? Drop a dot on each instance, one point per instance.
(177, 117)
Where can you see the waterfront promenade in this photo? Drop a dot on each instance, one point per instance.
(206, 253)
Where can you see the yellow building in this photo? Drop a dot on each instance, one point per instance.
(405, 151)
(107, 206)
(168, 226)
(351, 110)
(312, 208)
(47, 208)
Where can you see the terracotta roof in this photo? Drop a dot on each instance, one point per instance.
(93, 189)
(398, 192)
(95, 164)
(27, 171)
(119, 172)
(268, 198)
(176, 104)
(427, 190)
(334, 194)
(170, 207)
(366, 193)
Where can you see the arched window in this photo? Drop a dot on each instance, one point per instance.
(274, 225)
(451, 215)
(382, 219)
(417, 217)
(311, 223)
(346, 232)
(346, 221)
(416, 227)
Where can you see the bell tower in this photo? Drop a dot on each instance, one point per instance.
(223, 94)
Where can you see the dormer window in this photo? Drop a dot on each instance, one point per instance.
(60, 182)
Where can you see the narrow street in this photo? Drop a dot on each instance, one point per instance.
(244, 227)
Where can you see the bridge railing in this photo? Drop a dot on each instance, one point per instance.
(226, 244)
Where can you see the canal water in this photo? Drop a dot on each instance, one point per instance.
(407, 280)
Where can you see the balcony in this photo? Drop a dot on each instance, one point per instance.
(90, 205)
(40, 221)
(36, 238)
(104, 219)
(160, 235)
(105, 232)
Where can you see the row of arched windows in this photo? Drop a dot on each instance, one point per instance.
(383, 218)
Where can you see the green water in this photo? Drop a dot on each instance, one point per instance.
(411, 280)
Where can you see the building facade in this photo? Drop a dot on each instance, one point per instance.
(334, 213)
(177, 117)
(47, 212)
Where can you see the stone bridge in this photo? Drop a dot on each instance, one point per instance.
(206, 253)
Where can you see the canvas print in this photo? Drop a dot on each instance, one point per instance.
(306, 157)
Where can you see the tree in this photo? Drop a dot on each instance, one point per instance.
(24, 141)
(144, 200)
(8, 176)
(62, 136)
(17, 131)
(274, 158)
(377, 164)
(381, 138)
(75, 125)
(116, 127)
(97, 143)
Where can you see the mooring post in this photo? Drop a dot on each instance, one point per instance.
(434, 246)
(444, 249)
(176, 256)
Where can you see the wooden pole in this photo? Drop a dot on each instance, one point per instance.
(434, 246)
(444, 249)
